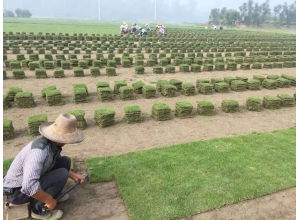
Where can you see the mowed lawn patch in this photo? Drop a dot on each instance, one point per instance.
(186, 179)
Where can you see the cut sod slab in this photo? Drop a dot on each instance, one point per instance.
(286, 100)
(188, 89)
(222, 87)
(133, 114)
(177, 83)
(161, 112)
(58, 73)
(160, 83)
(283, 83)
(18, 73)
(271, 102)
(40, 73)
(184, 110)
(238, 85)
(47, 89)
(138, 87)
(185, 68)
(205, 108)
(12, 91)
(139, 69)
(243, 78)
(149, 91)
(24, 100)
(291, 78)
(34, 121)
(274, 77)
(95, 71)
(118, 85)
(80, 120)
(105, 94)
(170, 69)
(206, 88)
(253, 84)
(229, 79)
(158, 69)
(269, 84)
(104, 117)
(80, 93)
(78, 72)
(53, 97)
(8, 129)
(261, 78)
(198, 81)
(126, 93)
(231, 66)
(230, 106)
(168, 90)
(254, 104)
(102, 84)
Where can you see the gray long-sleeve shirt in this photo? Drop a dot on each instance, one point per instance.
(35, 159)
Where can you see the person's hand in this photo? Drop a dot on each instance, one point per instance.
(51, 204)
(78, 178)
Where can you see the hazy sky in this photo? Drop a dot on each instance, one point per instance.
(116, 10)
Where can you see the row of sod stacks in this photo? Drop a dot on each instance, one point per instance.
(127, 93)
(104, 117)
(34, 122)
(286, 100)
(253, 84)
(6, 103)
(24, 100)
(271, 102)
(184, 110)
(205, 108)
(12, 93)
(230, 106)
(269, 84)
(149, 91)
(161, 112)
(138, 87)
(80, 120)
(254, 104)
(133, 114)
(188, 89)
(8, 129)
(80, 93)
(177, 83)
(222, 87)
(292, 79)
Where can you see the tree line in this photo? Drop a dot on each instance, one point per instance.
(251, 13)
(21, 13)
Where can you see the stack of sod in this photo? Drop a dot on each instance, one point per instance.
(74, 62)
(206, 88)
(170, 69)
(257, 65)
(138, 87)
(34, 57)
(53, 97)
(208, 67)
(59, 73)
(215, 80)
(161, 112)
(177, 83)
(274, 77)
(57, 63)
(126, 63)
(238, 85)
(164, 61)
(8, 130)
(160, 83)
(80, 93)
(133, 114)
(286, 100)
(40, 73)
(245, 66)
(196, 68)
(222, 87)
(6, 103)
(49, 65)
(271, 102)
(188, 89)
(33, 65)
(149, 92)
(229, 79)
(102, 84)
(220, 66)
(18, 73)
(278, 65)
(82, 64)
(12, 92)
(198, 81)
(185, 68)
(177, 61)
(104, 117)
(253, 104)
(205, 108)
(78, 72)
(268, 65)
(230, 106)
(111, 63)
(95, 71)
(110, 71)
(97, 63)
(126, 93)
(65, 64)
(288, 64)
(139, 69)
(269, 84)
(80, 120)
(231, 66)
(4, 74)
(261, 78)
(184, 110)
(15, 65)
(25, 63)
(151, 62)
(118, 85)
(283, 83)
(168, 90)
(292, 79)
(253, 84)
(24, 100)
(240, 60)
(243, 78)
(46, 90)
(158, 69)
(34, 122)
(104, 94)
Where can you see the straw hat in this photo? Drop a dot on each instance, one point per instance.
(63, 130)
(146, 24)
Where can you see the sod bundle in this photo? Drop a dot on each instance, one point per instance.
(104, 117)
(185, 68)
(196, 68)
(208, 67)
(160, 83)
(12, 91)
(53, 97)
(59, 73)
(33, 65)
(18, 73)
(126, 93)
(170, 69)
(274, 77)
(80, 93)
(206, 88)
(229, 79)
(80, 120)
(292, 79)
(268, 65)
(24, 100)
(188, 89)
(158, 69)
(138, 87)
(49, 65)
(95, 71)
(105, 94)
(222, 87)
(34, 121)
(256, 65)
(271, 102)
(205, 108)
(198, 81)
(177, 83)
(102, 84)
(78, 72)
(110, 71)
(269, 84)
(288, 64)
(6, 103)
(254, 104)
(168, 90)
(231, 66)
(65, 64)
(261, 78)
(149, 91)
(220, 66)
(215, 80)
(287, 100)
(283, 83)
(278, 65)
(8, 130)
(43, 92)
(184, 110)
(243, 78)
(133, 114)
(151, 63)
(238, 85)
(245, 66)
(230, 106)
(139, 69)
(40, 73)
(161, 112)
(253, 84)
(118, 85)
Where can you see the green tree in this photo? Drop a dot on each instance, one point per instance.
(214, 15)
(232, 16)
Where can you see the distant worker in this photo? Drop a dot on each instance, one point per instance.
(221, 27)
(143, 31)
(161, 29)
(148, 27)
(215, 27)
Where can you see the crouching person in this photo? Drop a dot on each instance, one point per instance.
(143, 31)
(39, 173)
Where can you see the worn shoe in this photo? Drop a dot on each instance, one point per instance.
(50, 215)
(64, 198)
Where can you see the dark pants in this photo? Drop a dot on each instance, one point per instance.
(52, 183)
